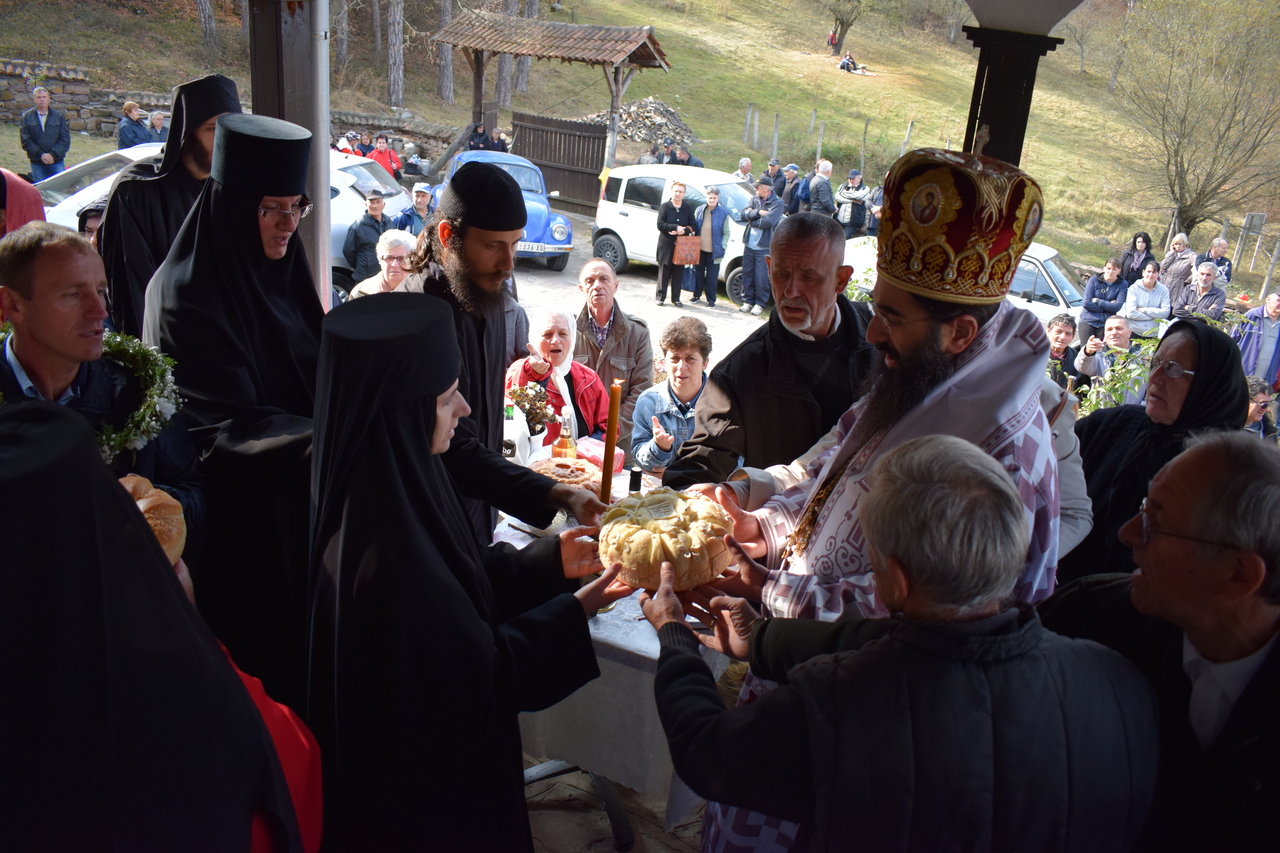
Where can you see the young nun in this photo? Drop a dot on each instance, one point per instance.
(425, 645)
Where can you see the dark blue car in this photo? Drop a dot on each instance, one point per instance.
(548, 234)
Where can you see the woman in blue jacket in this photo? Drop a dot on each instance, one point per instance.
(715, 239)
(133, 130)
(1103, 297)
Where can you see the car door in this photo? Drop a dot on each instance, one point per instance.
(1032, 290)
(638, 217)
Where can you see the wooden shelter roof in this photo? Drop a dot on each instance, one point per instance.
(634, 47)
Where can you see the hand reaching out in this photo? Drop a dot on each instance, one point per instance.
(535, 361)
(747, 580)
(602, 591)
(729, 618)
(663, 606)
(579, 554)
(746, 527)
(661, 437)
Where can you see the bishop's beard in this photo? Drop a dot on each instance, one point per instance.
(891, 392)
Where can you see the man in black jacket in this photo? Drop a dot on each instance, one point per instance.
(359, 249)
(1200, 617)
(45, 136)
(53, 292)
(959, 723)
(785, 386)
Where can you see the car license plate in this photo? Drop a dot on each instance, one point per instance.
(531, 247)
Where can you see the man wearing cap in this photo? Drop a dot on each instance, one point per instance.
(958, 359)
(851, 205)
(467, 251)
(668, 155)
(359, 249)
(776, 177)
(235, 306)
(744, 171)
(415, 217)
(150, 199)
(761, 217)
(791, 190)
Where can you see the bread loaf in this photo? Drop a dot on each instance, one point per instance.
(162, 512)
(574, 472)
(643, 531)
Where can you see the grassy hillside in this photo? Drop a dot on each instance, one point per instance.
(724, 54)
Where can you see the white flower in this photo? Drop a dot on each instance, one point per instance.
(137, 444)
(166, 409)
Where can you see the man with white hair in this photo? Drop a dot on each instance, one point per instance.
(744, 171)
(1259, 340)
(1217, 255)
(788, 383)
(1202, 296)
(821, 196)
(958, 723)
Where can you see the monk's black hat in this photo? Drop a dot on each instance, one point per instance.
(267, 155)
(484, 196)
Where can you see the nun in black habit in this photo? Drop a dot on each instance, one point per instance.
(235, 307)
(126, 728)
(151, 198)
(425, 645)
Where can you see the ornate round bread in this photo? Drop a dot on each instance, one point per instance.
(642, 531)
(574, 472)
(162, 511)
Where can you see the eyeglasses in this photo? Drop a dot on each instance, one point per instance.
(1148, 528)
(1262, 404)
(397, 260)
(896, 322)
(278, 214)
(1172, 369)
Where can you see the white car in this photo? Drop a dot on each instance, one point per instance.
(1044, 284)
(626, 226)
(351, 178)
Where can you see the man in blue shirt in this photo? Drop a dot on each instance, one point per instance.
(415, 217)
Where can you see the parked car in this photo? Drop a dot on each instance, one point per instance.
(351, 178)
(548, 234)
(1044, 284)
(626, 226)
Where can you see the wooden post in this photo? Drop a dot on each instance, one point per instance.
(812, 118)
(906, 140)
(1225, 224)
(1271, 268)
(755, 131)
(774, 151)
(1256, 247)
(618, 79)
(746, 127)
(822, 127)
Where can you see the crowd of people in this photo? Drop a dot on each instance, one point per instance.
(972, 622)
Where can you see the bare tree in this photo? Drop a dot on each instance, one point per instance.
(244, 19)
(1080, 26)
(1208, 109)
(522, 62)
(341, 32)
(1122, 46)
(395, 53)
(208, 25)
(444, 56)
(956, 13)
(845, 12)
(502, 89)
(375, 10)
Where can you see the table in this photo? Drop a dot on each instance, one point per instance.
(610, 727)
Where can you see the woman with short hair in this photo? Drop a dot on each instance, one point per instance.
(133, 130)
(1176, 268)
(393, 250)
(156, 129)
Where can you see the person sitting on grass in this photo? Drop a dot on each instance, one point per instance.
(665, 413)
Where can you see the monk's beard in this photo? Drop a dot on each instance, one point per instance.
(892, 392)
(473, 298)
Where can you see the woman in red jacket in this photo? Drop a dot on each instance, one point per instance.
(572, 388)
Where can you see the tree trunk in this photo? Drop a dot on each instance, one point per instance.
(375, 10)
(244, 19)
(523, 62)
(341, 34)
(444, 57)
(842, 30)
(502, 90)
(208, 26)
(395, 53)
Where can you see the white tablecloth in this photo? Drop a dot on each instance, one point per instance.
(610, 726)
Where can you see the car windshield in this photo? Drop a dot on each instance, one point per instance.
(371, 176)
(528, 179)
(63, 186)
(736, 197)
(1065, 279)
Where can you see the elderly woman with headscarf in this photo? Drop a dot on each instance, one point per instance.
(235, 306)
(572, 388)
(425, 645)
(393, 250)
(1196, 383)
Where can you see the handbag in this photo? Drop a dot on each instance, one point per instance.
(688, 250)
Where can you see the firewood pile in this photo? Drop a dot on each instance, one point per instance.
(649, 120)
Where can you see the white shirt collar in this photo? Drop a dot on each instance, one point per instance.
(1216, 687)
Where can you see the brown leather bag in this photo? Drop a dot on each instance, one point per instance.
(687, 252)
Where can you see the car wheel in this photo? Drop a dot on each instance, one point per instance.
(342, 280)
(733, 286)
(609, 248)
(557, 263)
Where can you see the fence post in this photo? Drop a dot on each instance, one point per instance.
(1256, 246)
(1225, 224)
(1271, 268)
(822, 127)
(907, 139)
(862, 160)
(755, 131)
(812, 118)
(746, 128)
(774, 152)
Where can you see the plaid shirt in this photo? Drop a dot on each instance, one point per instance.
(602, 335)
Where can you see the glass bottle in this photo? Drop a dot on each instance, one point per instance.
(564, 446)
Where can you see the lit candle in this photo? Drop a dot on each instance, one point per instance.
(610, 440)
